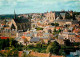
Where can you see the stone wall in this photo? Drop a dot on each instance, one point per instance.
(43, 54)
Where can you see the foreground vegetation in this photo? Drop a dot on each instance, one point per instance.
(10, 46)
(54, 48)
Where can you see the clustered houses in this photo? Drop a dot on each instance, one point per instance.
(33, 37)
(41, 29)
(72, 33)
(69, 27)
(12, 27)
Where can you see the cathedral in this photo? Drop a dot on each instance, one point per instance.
(20, 23)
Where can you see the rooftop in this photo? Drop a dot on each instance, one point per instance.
(35, 39)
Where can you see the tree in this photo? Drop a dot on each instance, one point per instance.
(56, 24)
(59, 30)
(43, 51)
(76, 43)
(30, 46)
(44, 45)
(53, 48)
(33, 26)
(39, 28)
(10, 41)
(38, 45)
(67, 42)
(4, 43)
(55, 30)
(52, 24)
(66, 25)
(49, 49)
(24, 55)
(49, 31)
(62, 52)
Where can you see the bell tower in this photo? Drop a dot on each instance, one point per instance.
(14, 14)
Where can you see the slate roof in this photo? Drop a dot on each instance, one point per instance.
(29, 34)
(21, 20)
(52, 26)
(35, 39)
(62, 20)
(46, 33)
(22, 23)
(60, 37)
(44, 37)
(69, 33)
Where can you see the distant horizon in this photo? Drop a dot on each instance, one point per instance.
(37, 6)
(31, 13)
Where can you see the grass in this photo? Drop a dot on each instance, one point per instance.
(41, 50)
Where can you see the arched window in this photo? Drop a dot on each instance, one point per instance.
(13, 27)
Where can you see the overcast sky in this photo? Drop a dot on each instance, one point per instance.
(40, 6)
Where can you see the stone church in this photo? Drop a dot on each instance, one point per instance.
(62, 15)
(20, 23)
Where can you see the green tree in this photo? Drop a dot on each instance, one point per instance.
(67, 42)
(52, 24)
(62, 52)
(56, 24)
(30, 46)
(76, 43)
(59, 30)
(10, 41)
(39, 28)
(49, 49)
(38, 45)
(53, 48)
(55, 30)
(24, 55)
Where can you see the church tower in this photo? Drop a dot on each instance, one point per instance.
(14, 14)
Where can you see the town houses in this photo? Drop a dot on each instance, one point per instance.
(41, 28)
(44, 28)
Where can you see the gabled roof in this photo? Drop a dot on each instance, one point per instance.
(21, 20)
(35, 39)
(4, 37)
(29, 35)
(69, 33)
(46, 33)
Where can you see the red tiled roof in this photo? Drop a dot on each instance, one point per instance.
(58, 27)
(20, 53)
(2, 51)
(78, 36)
(79, 26)
(76, 30)
(43, 54)
(25, 33)
(77, 39)
(4, 37)
(23, 37)
(2, 24)
(39, 54)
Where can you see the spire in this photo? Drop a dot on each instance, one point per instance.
(14, 14)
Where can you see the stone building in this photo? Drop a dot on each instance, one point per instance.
(20, 23)
(54, 15)
(50, 16)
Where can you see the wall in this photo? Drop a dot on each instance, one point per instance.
(43, 54)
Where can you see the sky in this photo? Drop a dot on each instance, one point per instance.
(37, 6)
